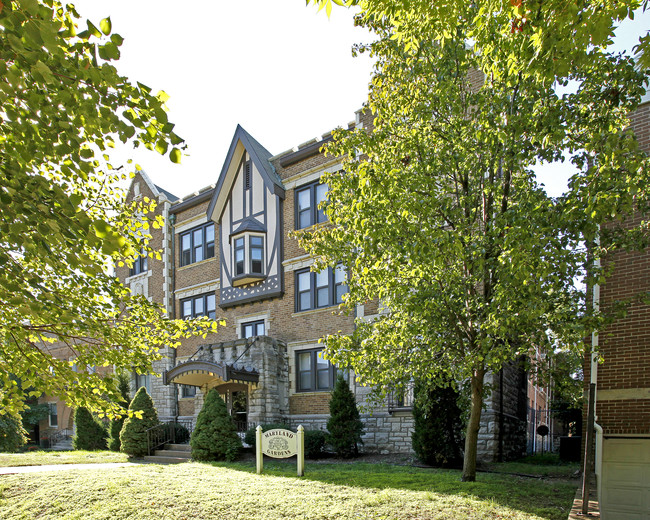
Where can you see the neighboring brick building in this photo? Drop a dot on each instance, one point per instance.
(623, 378)
(227, 252)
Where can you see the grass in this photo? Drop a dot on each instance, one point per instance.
(38, 458)
(548, 465)
(193, 491)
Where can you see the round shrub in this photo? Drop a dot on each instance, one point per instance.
(133, 437)
(344, 425)
(90, 433)
(12, 433)
(314, 443)
(215, 435)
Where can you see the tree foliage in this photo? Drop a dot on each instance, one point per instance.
(64, 219)
(90, 433)
(133, 437)
(539, 37)
(437, 437)
(437, 212)
(215, 435)
(344, 426)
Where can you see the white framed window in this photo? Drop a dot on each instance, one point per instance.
(248, 258)
(53, 417)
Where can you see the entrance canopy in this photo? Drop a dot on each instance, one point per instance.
(208, 373)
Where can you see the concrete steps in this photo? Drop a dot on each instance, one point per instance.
(171, 454)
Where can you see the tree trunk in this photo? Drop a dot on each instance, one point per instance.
(471, 434)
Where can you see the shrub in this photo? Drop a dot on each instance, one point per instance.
(116, 424)
(90, 433)
(12, 433)
(344, 425)
(181, 434)
(215, 436)
(249, 437)
(133, 437)
(314, 443)
(437, 437)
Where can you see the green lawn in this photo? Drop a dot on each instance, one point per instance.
(234, 491)
(37, 458)
(547, 465)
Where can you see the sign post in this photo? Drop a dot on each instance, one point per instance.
(280, 444)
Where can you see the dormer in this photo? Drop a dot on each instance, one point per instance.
(247, 208)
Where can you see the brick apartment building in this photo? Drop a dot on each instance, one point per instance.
(228, 253)
(622, 408)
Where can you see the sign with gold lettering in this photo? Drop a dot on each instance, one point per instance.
(280, 444)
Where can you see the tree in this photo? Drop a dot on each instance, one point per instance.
(214, 436)
(64, 218)
(117, 423)
(133, 437)
(344, 425)
(90, 433)
(437, 213)
(437, 437)
(12, 433)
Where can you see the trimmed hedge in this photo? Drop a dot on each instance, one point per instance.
(344, 425)
(12, 434)
(215, 435)
(133, 437)
(90, 432)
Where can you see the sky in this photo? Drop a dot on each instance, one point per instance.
(282, 70)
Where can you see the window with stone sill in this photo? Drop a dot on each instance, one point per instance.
(318, 290)
(252, 329)
(197, 306)
(197, 244)
(308, 199)
(140, 264)
(314, 373)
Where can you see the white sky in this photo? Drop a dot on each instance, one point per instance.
(278, 68)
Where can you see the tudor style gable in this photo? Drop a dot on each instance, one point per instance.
(247, 207)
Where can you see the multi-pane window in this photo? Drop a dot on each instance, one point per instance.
(188, 391)
(252, 328)
(248, 255)
(53, 415)
(314, 372)
(316, 290)
(307, 200)
(203, 305)
(143, 380)
(140, 264)
(197, 244)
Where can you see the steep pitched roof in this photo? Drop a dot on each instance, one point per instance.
(260, 157)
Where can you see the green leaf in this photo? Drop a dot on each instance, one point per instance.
(175, 155)
(106, 26)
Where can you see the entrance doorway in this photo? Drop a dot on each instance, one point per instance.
(236, 398)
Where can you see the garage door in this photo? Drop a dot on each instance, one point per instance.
(626, 479)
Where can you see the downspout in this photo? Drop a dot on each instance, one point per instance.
(593, 377)
(172, 222)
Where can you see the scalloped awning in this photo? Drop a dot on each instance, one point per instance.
(202, 373)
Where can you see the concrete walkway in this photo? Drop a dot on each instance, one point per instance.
(60, 467)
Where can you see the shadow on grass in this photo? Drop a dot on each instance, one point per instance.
(549, 499)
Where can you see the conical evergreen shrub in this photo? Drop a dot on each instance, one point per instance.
(215, 436)
(344, 425)
(133, 437)
(437, 437)
(116, 424)
(90, 433)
